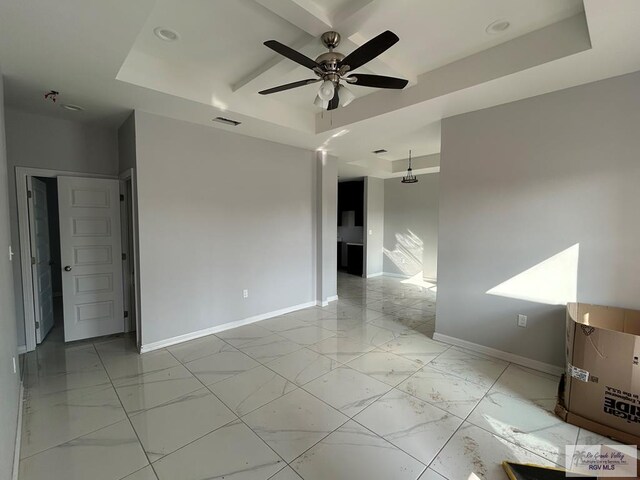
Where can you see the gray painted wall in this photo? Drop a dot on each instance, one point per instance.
(218, 213)
(524, 181)
(373, 224)
(51, 143)
(9, 381)
(411, 226)
(326, 200)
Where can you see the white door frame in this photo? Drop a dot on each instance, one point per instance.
(22, 173)
(130, 174)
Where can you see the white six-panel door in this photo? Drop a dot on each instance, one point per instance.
(41, 258)
(91, 257)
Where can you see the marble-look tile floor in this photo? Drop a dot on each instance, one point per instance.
(355, 390)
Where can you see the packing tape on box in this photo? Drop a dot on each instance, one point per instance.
(578, 373)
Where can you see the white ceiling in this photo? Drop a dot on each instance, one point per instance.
(103, 55)
(438, 32)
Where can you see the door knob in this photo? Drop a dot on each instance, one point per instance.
(67, 268)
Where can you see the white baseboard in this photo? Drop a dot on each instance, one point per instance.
(149, 347)
(326, 302)
(509, 357)
(372, 275)
(22, 349)
(16, 451)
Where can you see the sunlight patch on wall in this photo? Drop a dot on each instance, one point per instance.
(407, 253)
(553, 281)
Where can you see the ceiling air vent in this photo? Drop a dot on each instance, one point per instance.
(227, 121)
(377, 152)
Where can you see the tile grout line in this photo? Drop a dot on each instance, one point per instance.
(126, 414)
(238, 417)
(352, 418)
(349, 418)
(464, 420)
(498, 435)
(78, 436)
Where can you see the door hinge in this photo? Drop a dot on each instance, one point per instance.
(29, 194)
(126, 314)
(121, 198)
(33, 260)
(124, 256)
(37, 324)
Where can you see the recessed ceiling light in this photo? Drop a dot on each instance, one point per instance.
(166, 34)
(498, 26)
(73, 108)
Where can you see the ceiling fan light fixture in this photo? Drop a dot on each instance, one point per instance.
(327, 89)
(346, 96)
(409, 177)
(319, 102)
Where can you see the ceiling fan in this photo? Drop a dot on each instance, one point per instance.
(333, 69)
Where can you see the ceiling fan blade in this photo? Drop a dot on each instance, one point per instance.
(369, 50)
(291, 54)
(335, 101)
(377, 81)
(288, 86)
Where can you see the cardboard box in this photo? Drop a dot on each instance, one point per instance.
(601, 390)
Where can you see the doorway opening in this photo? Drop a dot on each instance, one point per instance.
(351, 249)
(127, 216)
(76, 239)
(45, 250)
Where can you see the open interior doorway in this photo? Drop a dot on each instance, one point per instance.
(45, 248)
(351, 227)
(76, 233)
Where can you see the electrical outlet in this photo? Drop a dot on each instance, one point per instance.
(522, 321)
(245, 294)
(370, 232)
(15, 370)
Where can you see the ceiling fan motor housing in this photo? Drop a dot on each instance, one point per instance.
(330, 61)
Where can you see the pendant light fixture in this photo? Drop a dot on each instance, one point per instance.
(409, 177)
